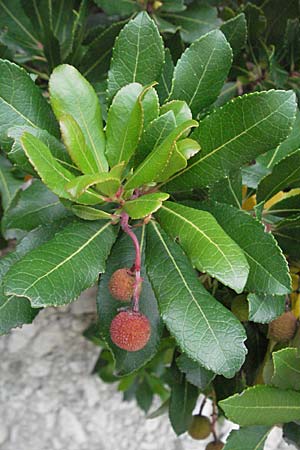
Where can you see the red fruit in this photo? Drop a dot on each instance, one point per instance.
(130, 330)
(121, 284)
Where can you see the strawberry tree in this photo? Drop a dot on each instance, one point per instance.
(151, 199)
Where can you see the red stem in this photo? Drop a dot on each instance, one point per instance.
(137, 263)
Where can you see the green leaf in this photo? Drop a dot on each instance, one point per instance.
(268, 268)
(201, 71)
(75, 142)
(285, 174)
(288, 146)
(265, 308)
(123, 255)
(182, 403)
(83, 245)
(72, 94)
(22, 103)
(289, 241)
(262, 405)
(228, 91)
(144, 396)
(162, 160)
(31, 208)
(249, 438)
(145, 205)
(121, 7)
(228, 190)
(199, 323)
(124, 123)
(235, 31)
(188, 147)
(288, 206)
(9, 185)
(96, 60)
(286, 369)
(52, 173)
(138, 55)
(180, 109)
(150, 104)
(88, 213)
(165, 81)
(210, 249)
(106, 184)
(291, 433)
(156, 132)
(19, 30)
(258, 122)
(18, 157)
(195, 21)
(15, 311)
(194, 372)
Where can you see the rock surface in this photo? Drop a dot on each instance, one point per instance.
(50, 401)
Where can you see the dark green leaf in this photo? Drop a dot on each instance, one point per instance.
(262, 405)
(249, 438)
(165, 81)
(194, 373)
(235, 31)
(121, 7)
(199, 323)
(288, 206)
(144, 396)
(291, 433)
(31, 208)
(72, 94)
(285, 174)
(289, 241)
(286, 369)
(258, 122)
(228, 190)
(138, 55)
(22, 103)
(182, 402)
(51, 280)
(9, 184)
(268, 267)
(123, 255)
(201, 71)
(210, 249)
(265, 308)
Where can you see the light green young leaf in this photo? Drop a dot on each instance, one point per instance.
(265, 308)
(138, 55)
(71, 93)
(83, 245)
(204, 329)
(124, 123)
(52, 173)
(201, 71)
(180, 109)
(188, 147)
(76, 145)
(154, 167)
(268, 268)
(235, 134)
(145, 205)
(285, 174)
(210, 249)
(150, 104)
(154, 135)
(262, 405)
(22, 103)
(249, 438)
(88, 213)
(286, 368)
(105, 183)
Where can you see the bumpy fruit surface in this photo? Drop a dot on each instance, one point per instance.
(200, 427)
(240, 308)
(130, 330)
(283, 328)
(215, 446)
(121, 285)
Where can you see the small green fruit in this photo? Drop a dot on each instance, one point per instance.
(240, 308)
(200, 427)
(283, 328)
(215, 446)
(121, 285)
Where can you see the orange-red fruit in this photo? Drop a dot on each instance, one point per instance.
(130, 330)
(200, 427)
(121, 285)
(215, 446)
(283, 328)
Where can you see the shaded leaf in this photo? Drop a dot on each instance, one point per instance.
(249, 438)
(185, 395)
(165, 81)
(228, 190)
(9, 184)
(235, 31)
(265, 308)
(194, 372)
(286, 369)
